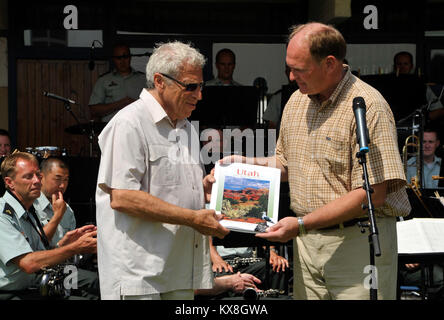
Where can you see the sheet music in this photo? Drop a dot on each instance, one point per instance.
(420, 235)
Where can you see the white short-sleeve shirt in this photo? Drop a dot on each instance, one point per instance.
(140, 150)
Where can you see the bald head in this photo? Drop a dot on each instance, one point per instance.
(322, 40)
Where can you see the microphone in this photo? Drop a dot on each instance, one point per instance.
(361, 124)
(54, 96)
(261, 84)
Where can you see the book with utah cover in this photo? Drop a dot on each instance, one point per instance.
(246, 195)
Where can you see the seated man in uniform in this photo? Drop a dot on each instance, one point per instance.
(54, 213)
(28, 250)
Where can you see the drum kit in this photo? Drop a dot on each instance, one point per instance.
(90, 129)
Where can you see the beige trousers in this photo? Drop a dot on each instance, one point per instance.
(334, 264)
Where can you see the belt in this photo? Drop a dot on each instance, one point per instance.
(349, 223)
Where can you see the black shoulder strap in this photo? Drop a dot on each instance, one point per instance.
(40, 230)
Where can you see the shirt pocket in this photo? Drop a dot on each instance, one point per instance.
(113, 91)
(334, 154)
(164, 171)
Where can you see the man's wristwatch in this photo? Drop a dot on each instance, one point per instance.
(301, 226)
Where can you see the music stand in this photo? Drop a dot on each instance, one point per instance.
(426, 205)
(223, 106)
(404, 93)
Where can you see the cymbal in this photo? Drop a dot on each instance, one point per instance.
(86, 128)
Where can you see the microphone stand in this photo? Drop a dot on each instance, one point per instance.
(421, 113)
(373, 238)
(91, 132)
(69, 109)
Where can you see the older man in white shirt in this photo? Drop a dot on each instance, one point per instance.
(151, 220)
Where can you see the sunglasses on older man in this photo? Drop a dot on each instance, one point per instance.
(187, 86)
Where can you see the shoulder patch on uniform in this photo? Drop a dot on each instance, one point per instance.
(8, 210)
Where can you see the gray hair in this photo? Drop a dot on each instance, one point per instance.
(169, 58)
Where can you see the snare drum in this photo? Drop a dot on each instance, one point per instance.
(46, 151)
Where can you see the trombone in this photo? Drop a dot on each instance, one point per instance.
(414, 143)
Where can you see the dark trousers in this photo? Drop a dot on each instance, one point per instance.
(87, 289)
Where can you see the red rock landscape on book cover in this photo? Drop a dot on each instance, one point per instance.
(245, 199)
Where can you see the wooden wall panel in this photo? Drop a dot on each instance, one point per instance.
(41, 121)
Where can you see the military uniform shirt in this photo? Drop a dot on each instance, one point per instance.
(45, 213)
(17, 237)
(428, 172)
(112, 87)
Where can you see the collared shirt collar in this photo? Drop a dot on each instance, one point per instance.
(116, 73)
(221, 82)
(157, 111)
(437, 161)
(42, 202)
(335, 95)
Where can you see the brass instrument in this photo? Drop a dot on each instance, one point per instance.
(412, 141)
